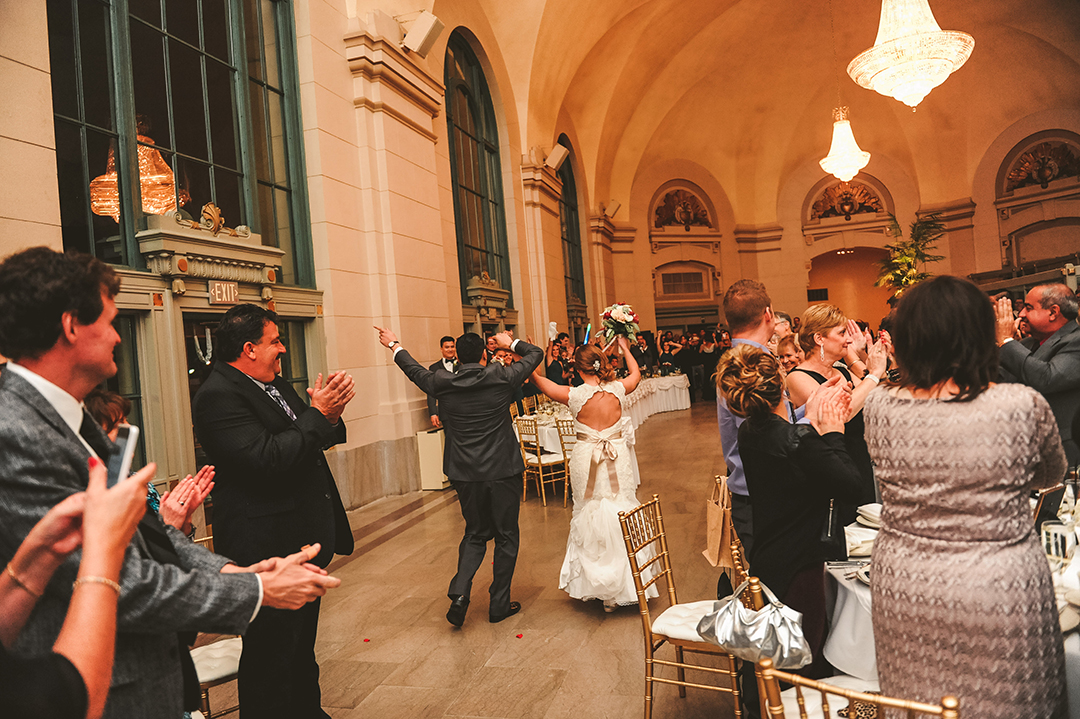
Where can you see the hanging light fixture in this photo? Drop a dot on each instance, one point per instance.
(845, 157)
(911, 55)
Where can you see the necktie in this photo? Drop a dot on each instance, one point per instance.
(91, 432)
(276, 396)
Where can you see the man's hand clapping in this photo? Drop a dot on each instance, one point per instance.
(331, 399)
(291, 582)
(1005, 325)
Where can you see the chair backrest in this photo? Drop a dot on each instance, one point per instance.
(514, 410)
(646, 547)
(771, 678)
(529, 404)
(528, 437)
(567, 435)
(1048, 503)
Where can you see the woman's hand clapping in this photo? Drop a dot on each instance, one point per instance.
(180, 504)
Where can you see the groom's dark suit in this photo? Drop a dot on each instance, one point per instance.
(482, 459)
(273, 493)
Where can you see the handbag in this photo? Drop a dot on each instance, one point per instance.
(833, 539)
(772, 632)
(718, 526)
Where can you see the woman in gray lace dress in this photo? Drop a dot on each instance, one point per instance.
(963, 601)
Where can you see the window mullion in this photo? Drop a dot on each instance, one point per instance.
(126, 156)
(241, 82)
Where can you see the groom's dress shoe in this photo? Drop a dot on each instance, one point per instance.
(456, 614)
(515, 607)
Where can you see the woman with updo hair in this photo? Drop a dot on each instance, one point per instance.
(603, 475)
(792, 472)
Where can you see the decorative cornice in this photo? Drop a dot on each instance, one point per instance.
(542, 186)
(175, 251)
(758, 238)
(376, 60)
(956, 215)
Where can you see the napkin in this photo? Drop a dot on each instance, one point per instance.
(860, 540)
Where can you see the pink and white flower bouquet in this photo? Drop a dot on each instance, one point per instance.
(620, 320)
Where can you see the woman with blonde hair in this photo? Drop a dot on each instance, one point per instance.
(835, 347)
(603, 475)
(792, 472)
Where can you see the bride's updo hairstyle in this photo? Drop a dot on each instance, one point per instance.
(944, 329)
(751, 381)
(588, 359)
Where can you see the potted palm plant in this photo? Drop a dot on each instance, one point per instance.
(906, 264)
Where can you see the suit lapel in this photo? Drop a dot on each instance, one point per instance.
(1048, 347)
(253, 391)
(25, 391)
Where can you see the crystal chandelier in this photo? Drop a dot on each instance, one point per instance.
(845, 158)
(911, 55)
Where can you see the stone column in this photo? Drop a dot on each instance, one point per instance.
(543, 244)
(958, 245)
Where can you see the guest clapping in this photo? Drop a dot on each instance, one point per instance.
(73, 680)
(792, 473)
(963, 601)
(828, 338)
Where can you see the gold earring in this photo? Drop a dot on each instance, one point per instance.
(822, 353)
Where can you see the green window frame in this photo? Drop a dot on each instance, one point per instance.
(570, 228)
(127, 381)
(294, 368)
(475, 169)
(163, 105)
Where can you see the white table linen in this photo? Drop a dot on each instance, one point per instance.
(850, 644)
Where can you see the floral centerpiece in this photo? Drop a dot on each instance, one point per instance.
(620, 320)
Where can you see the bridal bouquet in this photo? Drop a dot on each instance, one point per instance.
(620, 320)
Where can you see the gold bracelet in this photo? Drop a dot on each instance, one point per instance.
(97, 580)
(19, 583)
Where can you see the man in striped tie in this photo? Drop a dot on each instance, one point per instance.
(273, 489)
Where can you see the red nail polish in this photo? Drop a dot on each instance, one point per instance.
(93, 462)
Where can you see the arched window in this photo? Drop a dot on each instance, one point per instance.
(573, 272)
(475, 170)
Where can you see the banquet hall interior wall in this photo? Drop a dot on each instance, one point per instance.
(730, 100)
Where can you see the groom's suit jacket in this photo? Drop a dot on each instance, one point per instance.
(474, 406)
(273, 490)
(1053, 370)
(42, 462)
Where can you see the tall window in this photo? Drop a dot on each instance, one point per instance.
(161, 107)
(126, 381)
(573, 273)
(475, 169)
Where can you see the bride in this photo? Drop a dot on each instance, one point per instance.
(603, 475)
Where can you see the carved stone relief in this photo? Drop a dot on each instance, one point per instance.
(681, 207)
(1042, 164)
(845, 199)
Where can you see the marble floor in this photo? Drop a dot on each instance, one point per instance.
(386, 649)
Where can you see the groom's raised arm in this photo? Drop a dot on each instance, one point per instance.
(417, 373)
(531, 357)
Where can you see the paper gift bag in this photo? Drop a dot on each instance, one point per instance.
(719, 530)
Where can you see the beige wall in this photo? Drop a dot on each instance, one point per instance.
(850, 280)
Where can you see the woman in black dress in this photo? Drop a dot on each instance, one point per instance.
(792, 472)
(835, 347)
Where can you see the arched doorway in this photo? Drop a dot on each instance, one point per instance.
(848, 277)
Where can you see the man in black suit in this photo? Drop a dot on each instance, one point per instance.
(482, 458)
(273, 489)
(448, 362)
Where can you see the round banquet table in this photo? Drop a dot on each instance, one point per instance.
(658, 394)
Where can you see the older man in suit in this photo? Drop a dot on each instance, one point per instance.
(273, 490)
(1049, 360)
(448, 362)
(482, 458)
(56, 313)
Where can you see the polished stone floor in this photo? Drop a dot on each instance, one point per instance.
(386, 649)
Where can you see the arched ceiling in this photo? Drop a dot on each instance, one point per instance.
(746, 88)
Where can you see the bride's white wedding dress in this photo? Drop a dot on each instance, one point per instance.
(596, 566)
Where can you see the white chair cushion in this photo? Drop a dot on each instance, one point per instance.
(218, 660)
(813, 698)
(546, 459)
(680, 621)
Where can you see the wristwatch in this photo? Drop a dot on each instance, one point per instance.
(392, 345)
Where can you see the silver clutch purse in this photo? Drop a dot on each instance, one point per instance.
(774, 632)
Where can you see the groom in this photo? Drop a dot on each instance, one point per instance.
(482, 458)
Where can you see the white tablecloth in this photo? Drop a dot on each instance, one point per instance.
(658, 394)
(850, 644)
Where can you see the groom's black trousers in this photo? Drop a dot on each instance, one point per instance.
(490, 509)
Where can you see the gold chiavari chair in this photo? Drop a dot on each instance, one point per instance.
(1049, 494)
(541, 468)
(529, 405)
(567, 440)
(514, 414)
(771, 678)
(650, 562)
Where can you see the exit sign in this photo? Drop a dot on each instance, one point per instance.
(223, 293)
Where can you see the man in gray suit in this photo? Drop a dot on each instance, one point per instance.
(56, 314)
(482, 458)
(1049, 360)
